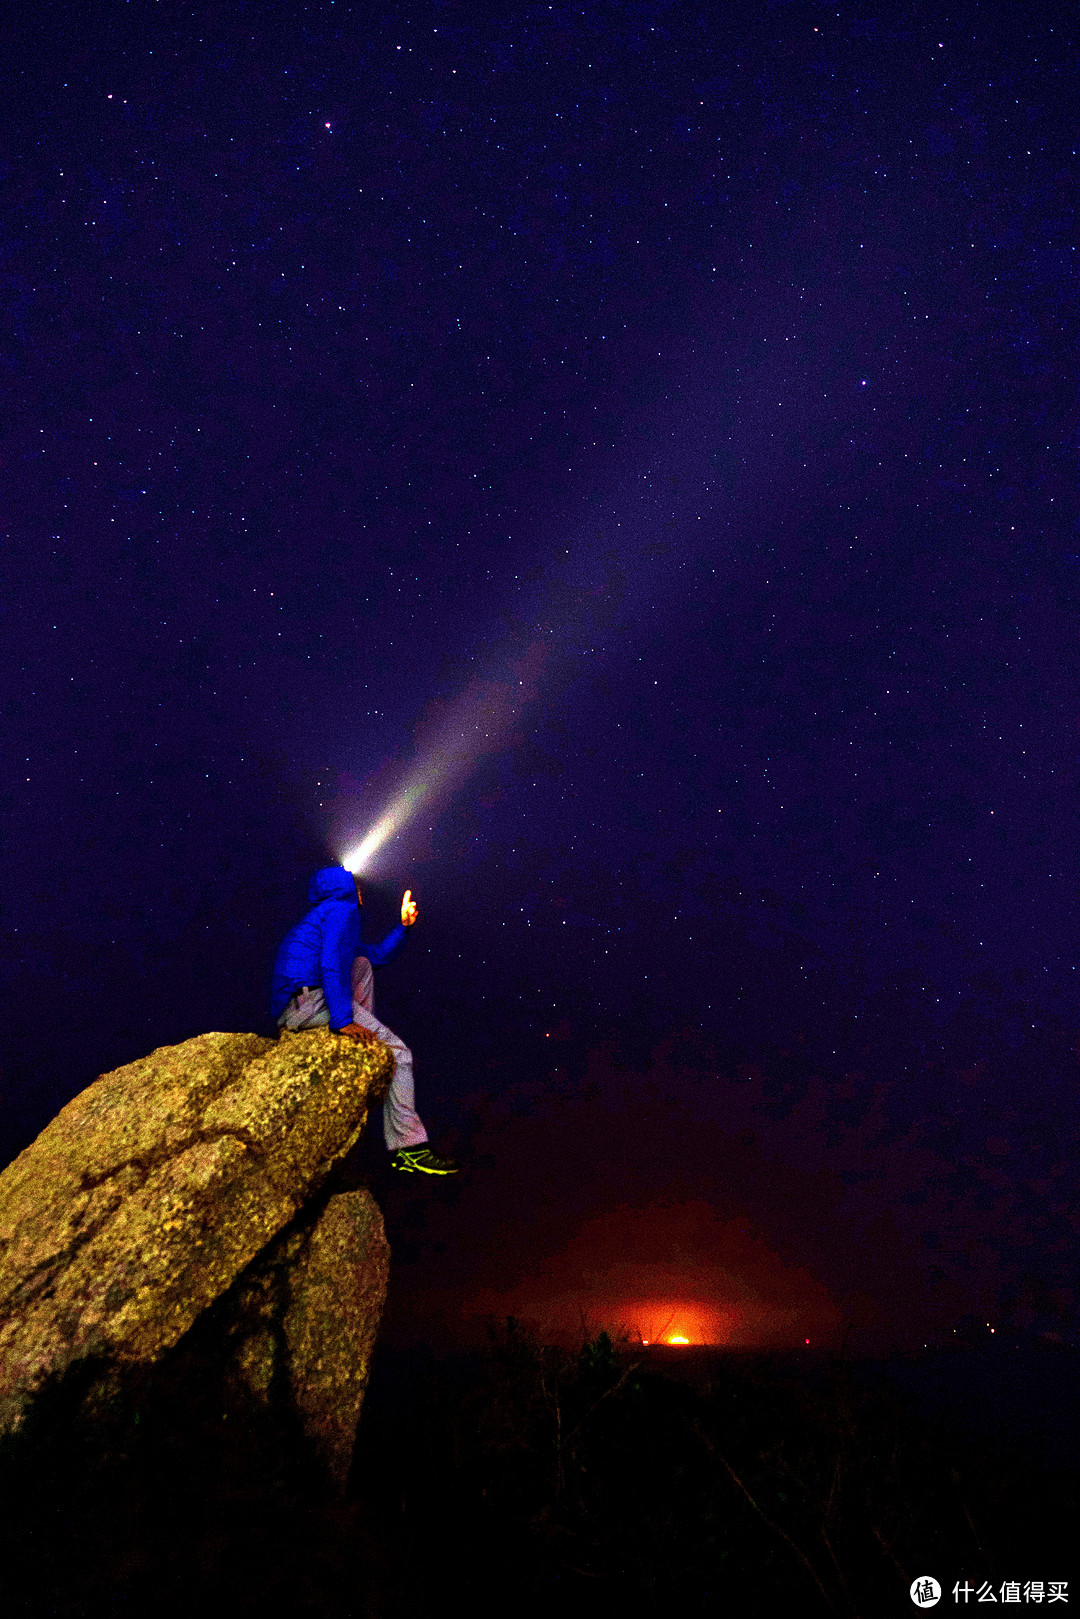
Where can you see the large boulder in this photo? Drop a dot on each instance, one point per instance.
(154, 1188)
(301, 1322)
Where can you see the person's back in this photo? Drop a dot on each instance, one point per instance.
(320, 949)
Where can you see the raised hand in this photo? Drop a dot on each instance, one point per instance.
(409, 912)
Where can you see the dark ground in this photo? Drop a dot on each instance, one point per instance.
(600, 1480)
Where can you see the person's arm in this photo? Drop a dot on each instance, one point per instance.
(380, 954)
(338, 950)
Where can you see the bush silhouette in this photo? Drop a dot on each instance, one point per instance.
(599, 1479)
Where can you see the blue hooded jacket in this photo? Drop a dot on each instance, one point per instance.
(322, 948)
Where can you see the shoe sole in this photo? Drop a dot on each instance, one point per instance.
(422, 1169)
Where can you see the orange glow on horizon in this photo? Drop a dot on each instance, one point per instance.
(654, 1322)
(707, 1324)
(646, 1274)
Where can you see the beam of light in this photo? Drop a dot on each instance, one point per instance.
(589, 591)
(450, 742)
(359, 858)
(580, 603)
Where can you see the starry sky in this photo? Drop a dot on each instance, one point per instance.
(651, 429)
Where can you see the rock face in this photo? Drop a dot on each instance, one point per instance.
(155, 1188)
(303, 1320)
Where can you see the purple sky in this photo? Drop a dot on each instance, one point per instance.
(687, 401)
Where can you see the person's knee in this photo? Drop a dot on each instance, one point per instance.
(402, 1054)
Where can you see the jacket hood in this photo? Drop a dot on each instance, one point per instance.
(332, 882)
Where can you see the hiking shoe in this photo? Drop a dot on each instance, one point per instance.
(423, 1160)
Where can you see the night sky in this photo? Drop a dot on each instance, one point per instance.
(648, 432)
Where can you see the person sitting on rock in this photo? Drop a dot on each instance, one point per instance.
(323, 979)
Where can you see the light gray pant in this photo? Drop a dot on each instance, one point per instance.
(308, 1010)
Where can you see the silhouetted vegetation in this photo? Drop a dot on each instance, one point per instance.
(616, 1481)
(525, 1477)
